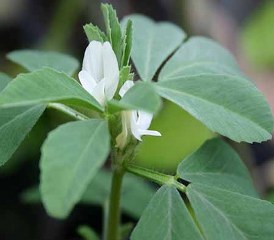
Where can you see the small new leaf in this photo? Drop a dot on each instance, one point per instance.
(114, 31)
(125, 75)
(94, 33)
(127, 43)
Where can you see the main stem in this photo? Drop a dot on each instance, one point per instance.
(113, 222)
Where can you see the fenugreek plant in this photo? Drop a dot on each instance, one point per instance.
(211, 196)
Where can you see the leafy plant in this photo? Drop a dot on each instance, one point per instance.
(112, 113)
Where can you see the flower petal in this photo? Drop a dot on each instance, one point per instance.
(126, 86)
(86, 81)
(134, 126)
(111, 70)
(150, 133)
(93, 60)
(144, 120)
(99, 92)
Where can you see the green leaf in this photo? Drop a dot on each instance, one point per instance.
(15, 124)
(142, 96)
(44, 86)
(113, 30)
(199, 56)
(217, 164)
(231, 216)
(87, 233)
(33, 60)
(165, 218)
(71, 156)
(136, 193)
(98, 189)
(226, 104)
(4, 80)
(94, 33)
(204, 79)
(125, 75)
(152, 44)
(128, 43)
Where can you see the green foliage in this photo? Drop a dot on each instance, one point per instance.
(203, 82)
(258, 36)
(87, 233)
(44, 86)
(4, 80)
(148, 52)
(136, 193)
(142, 96)
(67, 167)
(215, 92)
(127, 43)
(199, 56)
(241, 216)
(125, 75)
(222, 111)
(199, 76)
(166, 217)
(113, 30)
(220, 191)
(33, 60)
(94, 33)
(15, 124)
(215, 157)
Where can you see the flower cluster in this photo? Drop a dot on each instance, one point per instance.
(100, 77)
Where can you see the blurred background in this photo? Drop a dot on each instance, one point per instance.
(245, 27)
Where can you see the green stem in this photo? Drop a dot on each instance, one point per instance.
(157, 177)
(67, 110)
(113, 222)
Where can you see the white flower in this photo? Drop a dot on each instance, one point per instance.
(100, 71)
(137, 122)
